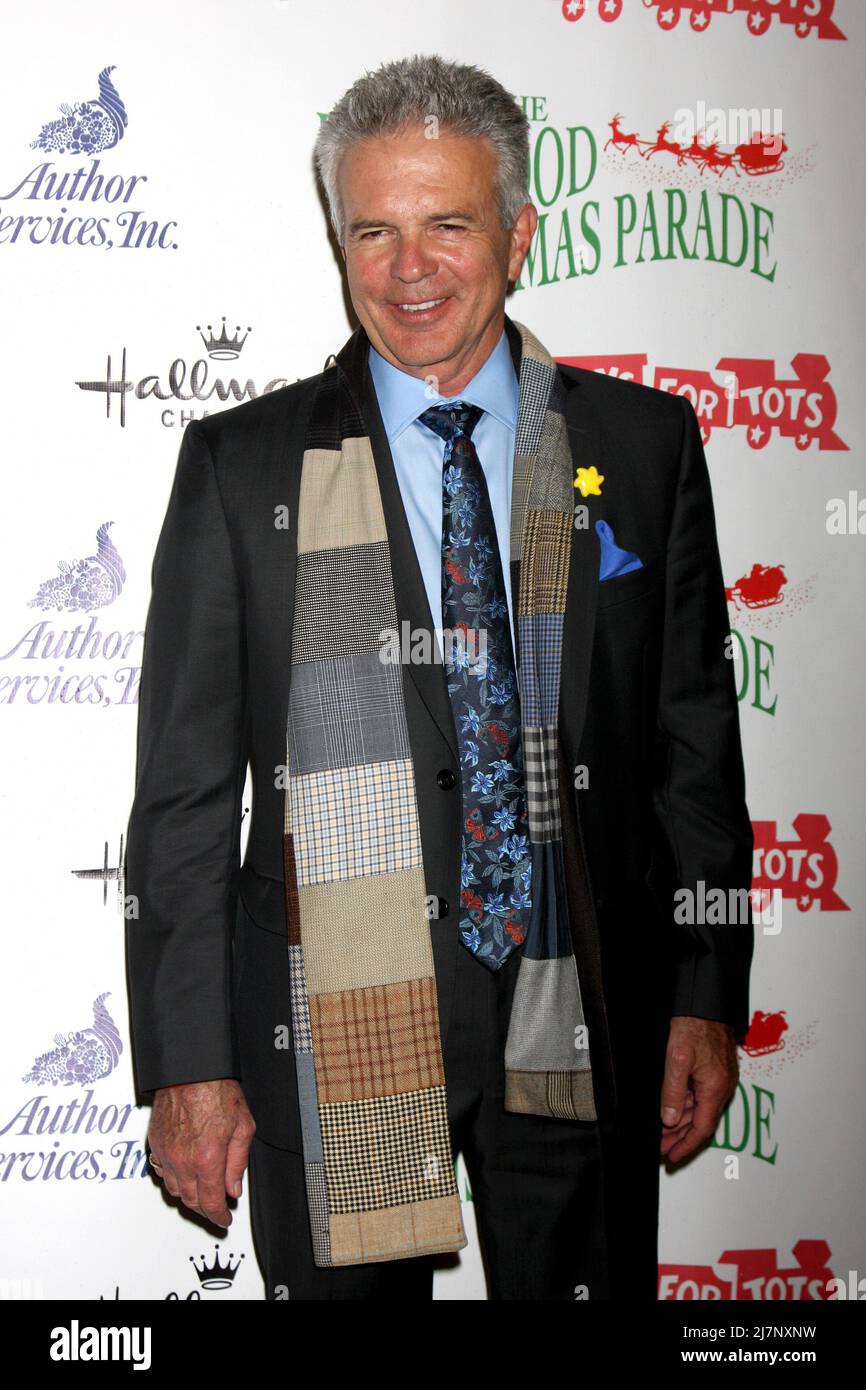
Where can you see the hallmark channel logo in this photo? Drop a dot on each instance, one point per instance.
(216, 1275)
(213, 1276)
(112, 873)
(804, 17)
(89, 205)
(183, 383)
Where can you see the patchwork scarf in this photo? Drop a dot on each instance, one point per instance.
(378, 1164)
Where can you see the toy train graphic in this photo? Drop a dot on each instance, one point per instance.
(806, 17)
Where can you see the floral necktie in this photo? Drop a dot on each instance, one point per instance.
(482, 685)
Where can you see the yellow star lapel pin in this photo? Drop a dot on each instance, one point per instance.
(589, 481)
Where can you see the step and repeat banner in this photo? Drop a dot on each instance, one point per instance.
(164, 254)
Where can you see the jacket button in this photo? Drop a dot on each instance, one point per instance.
(446, 779)
(442, 905)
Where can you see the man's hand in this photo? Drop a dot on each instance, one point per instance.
(705, 1052)
(200, 1134)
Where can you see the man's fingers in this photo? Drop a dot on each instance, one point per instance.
(205, 1170)
(170, 1180)
(200, 1189)
(710, 1104)
(201, 1132)
(699, 1121)
(189, 1195)
(237, 1157)
(671, 1138)
(671, 1134)
(687, 1144)
(678, 1064)
(705, 1052)
(212, 1198)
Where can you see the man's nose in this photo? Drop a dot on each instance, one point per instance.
(412, 260)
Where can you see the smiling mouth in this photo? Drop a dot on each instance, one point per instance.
(420, 309)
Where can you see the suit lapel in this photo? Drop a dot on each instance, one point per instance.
(413, 608)
(586, 442)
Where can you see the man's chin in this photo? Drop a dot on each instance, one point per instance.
(414, 351)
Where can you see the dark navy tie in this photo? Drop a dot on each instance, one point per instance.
(482, 685)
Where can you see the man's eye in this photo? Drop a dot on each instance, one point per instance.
(453, 226)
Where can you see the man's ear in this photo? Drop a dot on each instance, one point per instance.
(522, 232)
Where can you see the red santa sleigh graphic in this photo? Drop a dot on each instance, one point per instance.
(765, 1033)
(761, 588)
(804, 16)
(762, 154)
(804, 869)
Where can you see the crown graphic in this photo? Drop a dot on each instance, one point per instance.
(216, 1275)
(223, 348)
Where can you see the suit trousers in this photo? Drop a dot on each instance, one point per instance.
(536, 1182)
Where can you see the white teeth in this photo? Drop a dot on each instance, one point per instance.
(414, 308)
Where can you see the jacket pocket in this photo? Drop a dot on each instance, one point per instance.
(266, 1043)
(630, 586)
(264, 900)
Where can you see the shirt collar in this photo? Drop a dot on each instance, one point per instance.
(403, 397)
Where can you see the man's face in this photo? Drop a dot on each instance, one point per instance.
(421, 225)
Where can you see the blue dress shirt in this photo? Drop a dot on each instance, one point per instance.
(418, 455)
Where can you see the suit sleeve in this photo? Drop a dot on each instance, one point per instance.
(700, 799)
(182, 853)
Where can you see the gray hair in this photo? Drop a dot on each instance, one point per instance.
(462, 98)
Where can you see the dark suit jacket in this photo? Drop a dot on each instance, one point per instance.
(648, 704)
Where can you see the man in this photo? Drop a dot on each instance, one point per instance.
(471, 848)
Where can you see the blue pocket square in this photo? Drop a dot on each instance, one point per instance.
(614, 561)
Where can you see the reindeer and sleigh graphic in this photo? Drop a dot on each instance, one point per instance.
(759, 156)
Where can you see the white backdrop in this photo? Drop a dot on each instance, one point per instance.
(212, 212)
